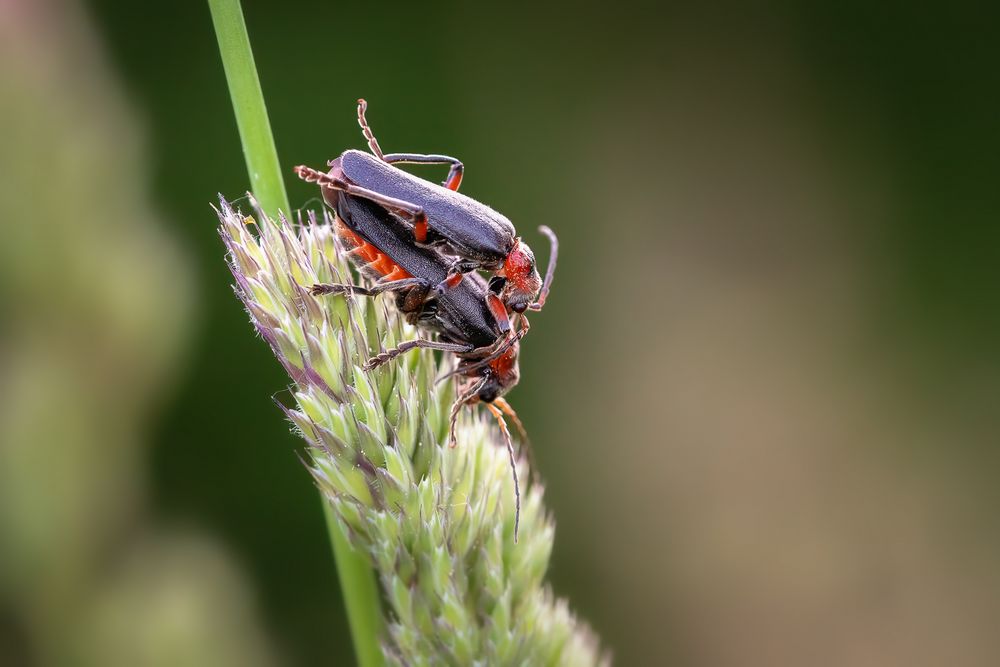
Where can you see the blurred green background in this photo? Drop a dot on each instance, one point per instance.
(763, 396)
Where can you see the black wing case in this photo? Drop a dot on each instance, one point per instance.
(472, 229)
(462, 314)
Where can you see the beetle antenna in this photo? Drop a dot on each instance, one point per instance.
(550, 271)
(367, 130)
(513, 466)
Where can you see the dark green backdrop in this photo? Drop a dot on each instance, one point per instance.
(530, 97)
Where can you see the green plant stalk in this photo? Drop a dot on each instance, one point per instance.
(360, 592)
(357, 579)
(248, 104)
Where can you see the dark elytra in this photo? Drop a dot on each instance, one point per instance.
(489, 239)
(462, 314)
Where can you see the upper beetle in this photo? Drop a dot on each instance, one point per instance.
(480, 238)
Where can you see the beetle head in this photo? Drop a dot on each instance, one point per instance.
(522, 279)
(499, 376)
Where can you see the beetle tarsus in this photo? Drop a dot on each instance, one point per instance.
(420, 343)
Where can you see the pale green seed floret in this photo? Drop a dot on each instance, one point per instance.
(437, 522)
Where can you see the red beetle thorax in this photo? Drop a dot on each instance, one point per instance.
(505, 367)
(519, 270)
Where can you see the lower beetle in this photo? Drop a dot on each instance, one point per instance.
(461, 317)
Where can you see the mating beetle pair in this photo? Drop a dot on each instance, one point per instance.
(381, 247)
(392, 234)
(479, 237)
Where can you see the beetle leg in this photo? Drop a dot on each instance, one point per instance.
(499, 311)
(468, 398)
(389, 355)
(453, 280)
(509, 411)
(392, 285)
(481, 357)
(456, 271)
(455, 172)
(521, 431)
(513, 465)
(367, 130)
(413, 213)
(415, 298)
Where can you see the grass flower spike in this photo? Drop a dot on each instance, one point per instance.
(436, 523)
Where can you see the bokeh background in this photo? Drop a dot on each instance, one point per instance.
(764, 393)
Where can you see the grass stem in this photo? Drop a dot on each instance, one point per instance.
(357, 580)
(248, 104)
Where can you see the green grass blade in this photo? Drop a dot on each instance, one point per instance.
(357, 580)
(248, 104)
(360, 594)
